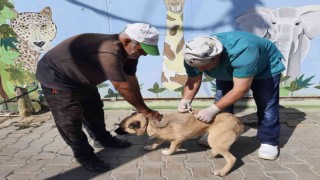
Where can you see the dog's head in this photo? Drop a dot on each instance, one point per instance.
(134, 124)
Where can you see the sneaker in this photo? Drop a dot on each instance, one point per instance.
(203, 141)
(92, 163)
(115, 142)
(267, 151)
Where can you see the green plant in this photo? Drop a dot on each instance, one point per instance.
(211, 81)
(156, 89)
(180, 90)
(5, 3)
(141, 86)
(207, 78)
(7, 37)
(213, 86)
(18, 76)
(10, 74)
(283, 79)
(102, 85)
(112, 93)
(9, 42)
(299, 83)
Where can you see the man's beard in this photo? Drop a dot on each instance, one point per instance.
(133, 56)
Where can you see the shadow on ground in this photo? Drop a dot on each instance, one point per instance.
(290, 118)
(128, 159)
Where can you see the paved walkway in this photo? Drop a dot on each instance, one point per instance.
(31, 148)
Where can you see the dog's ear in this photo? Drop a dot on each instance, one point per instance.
(135, 125)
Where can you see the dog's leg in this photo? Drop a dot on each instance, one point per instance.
(173, 147)
(154, 146)
(224, 151)
(213, 153)
(221, 143)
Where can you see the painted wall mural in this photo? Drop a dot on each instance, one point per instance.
(293, 25)
(290, 28)
(23, 36)
(173, 73)
(35, 31)
(8, 51)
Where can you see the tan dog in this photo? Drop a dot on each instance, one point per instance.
(178, 127)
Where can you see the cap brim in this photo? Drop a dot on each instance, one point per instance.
(150, 49)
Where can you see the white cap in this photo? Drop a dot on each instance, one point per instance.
(201, 50)
(146, 35)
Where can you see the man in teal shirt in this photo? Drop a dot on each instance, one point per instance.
(239, 61)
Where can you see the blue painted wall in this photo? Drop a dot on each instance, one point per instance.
(201, 17)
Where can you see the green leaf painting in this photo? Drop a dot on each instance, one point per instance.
(180, 90)
(299, 83)
(8, 57)
(284, 78)
(141, 86)
(6, 13)
(207, 78)
(8, 43)
(213, 86)
(6, 31)
(5, 3)
(112, 93)
(9, 73)
(102, 85)
(156, 89)
(16, 74)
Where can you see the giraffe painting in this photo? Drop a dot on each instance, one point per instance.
(173, 72)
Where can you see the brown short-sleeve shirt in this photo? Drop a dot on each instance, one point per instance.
(84, 61)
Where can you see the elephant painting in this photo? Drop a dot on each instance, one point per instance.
(291, 29)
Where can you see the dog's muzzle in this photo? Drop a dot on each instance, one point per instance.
(120, 131)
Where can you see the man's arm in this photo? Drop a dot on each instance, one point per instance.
(130, 91)
(192, 87)
(190, 90)
(241, 86)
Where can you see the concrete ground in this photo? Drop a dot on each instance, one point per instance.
(31, 148)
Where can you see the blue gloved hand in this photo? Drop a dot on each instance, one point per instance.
(207, 114)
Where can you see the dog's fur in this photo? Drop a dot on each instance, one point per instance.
(178, 127)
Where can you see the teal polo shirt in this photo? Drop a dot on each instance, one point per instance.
(244, 55)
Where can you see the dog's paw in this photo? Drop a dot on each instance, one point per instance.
(219, 172)
(166, 152)
(148, 148)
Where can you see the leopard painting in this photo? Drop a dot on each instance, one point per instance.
(35, 31)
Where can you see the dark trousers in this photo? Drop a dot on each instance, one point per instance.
(71, 110)
(266, 96)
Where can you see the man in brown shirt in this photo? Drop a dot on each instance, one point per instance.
(70, 72)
